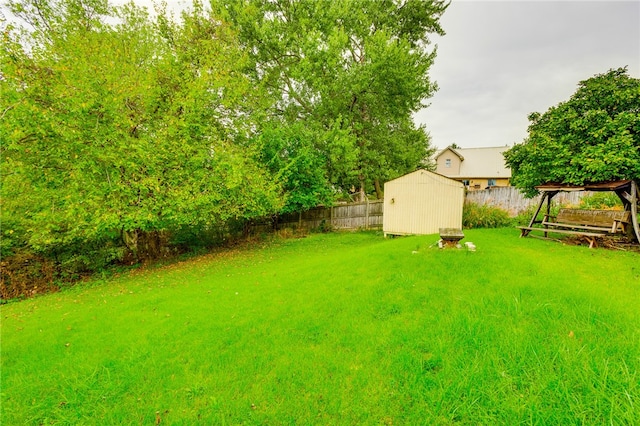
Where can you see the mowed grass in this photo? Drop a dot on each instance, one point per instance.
(338, 329)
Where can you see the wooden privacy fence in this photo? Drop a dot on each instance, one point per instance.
(511, 199)
(368, 214)
(365, 215)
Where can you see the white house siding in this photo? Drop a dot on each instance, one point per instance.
(422, 202)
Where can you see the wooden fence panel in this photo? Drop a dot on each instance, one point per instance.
(353, 216)
(513, 201)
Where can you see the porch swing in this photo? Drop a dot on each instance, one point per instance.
(591, 224)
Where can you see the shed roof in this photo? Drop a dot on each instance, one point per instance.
(422, 176)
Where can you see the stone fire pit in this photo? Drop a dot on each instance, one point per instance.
(450, 237)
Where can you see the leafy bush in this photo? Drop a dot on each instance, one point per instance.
(483, 216)
(524, 217)
(12, 236)
(196, 238)
(324, 227)
(601, 201)
(25, 272)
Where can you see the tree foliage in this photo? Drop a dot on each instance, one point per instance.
(120, 128)
(356, 69)
(126, 128)
(290, 154)
(592, 137)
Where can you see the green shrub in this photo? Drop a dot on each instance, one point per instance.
(197, 238)
(483, 216)
(324, 227)
(25, 272)
(524, 217)
(12, 237)
(601, 201)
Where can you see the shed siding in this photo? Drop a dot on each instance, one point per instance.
(421, 203)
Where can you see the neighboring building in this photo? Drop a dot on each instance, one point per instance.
(422, 202)
(476, 168)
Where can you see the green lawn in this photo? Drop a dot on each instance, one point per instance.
(338, 329)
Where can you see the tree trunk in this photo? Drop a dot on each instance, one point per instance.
(145, 245)
(379, 192)
(362, 193)
(130, 240)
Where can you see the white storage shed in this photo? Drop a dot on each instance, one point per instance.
(422, 202)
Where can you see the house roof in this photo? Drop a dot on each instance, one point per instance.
(455, 151)
(481, 162)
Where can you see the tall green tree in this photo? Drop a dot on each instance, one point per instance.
(353, 70)
(594, 136)
(290, 155)
(114, 125)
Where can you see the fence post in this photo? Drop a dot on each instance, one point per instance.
(366, 215)
(332, 217)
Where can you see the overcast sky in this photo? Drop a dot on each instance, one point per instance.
(501, 60)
